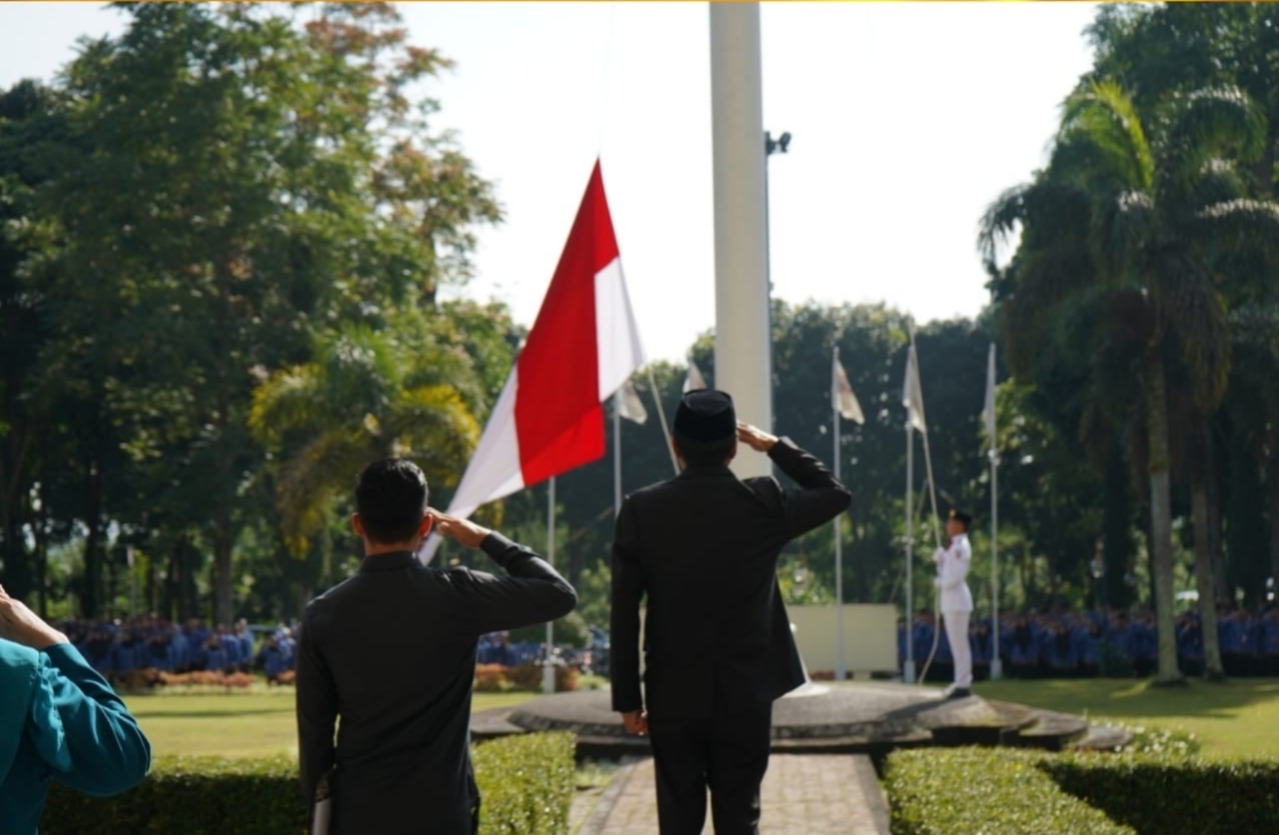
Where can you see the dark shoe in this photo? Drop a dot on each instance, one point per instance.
(959, 693)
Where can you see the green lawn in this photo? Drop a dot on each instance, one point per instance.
(1239, 718)
(238, 724)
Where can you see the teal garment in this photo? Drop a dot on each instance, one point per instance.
(60, 720)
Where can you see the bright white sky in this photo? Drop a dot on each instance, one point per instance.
(908, 119)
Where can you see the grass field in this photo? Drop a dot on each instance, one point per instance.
(238, 724)
(1239, 718)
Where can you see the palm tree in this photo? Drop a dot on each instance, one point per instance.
(369, 394)
(1139, 225)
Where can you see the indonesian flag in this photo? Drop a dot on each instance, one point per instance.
(584, 345)
(912, 392)
(841, 394)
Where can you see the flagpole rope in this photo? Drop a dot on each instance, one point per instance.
(661, 416)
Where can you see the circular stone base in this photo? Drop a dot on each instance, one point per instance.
(870, 717)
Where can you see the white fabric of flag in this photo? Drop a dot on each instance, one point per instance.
(913, 394)
(842, 398)
(629, 404)
(988, 413)
(694, 379)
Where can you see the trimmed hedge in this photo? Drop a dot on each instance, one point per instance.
(1002, 791)
(994, 791)
(526, 783)
(1154, 794)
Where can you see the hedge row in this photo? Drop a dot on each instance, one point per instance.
(526, 783)
(1001, 791)
(994, 791)
(1155, 794)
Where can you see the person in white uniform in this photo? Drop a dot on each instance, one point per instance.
(956, 600)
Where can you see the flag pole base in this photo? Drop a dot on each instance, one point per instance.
(908, 672)
(548, 679)
(996, 669)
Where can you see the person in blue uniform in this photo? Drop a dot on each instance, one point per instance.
(59, 720)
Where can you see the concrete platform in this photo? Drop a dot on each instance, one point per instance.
(847, 718)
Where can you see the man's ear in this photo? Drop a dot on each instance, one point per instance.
(424, 528)
(357, 526)
(732, 453)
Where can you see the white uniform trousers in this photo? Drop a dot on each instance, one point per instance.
(957, 634)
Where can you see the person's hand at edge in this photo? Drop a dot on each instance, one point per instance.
(23, 626)
(636, 722)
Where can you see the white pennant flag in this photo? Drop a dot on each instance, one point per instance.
(694, 380)
(988, 413)
(841, 396)
(912, 393)
(629, 404)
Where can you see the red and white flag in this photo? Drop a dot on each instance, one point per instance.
(583, 347)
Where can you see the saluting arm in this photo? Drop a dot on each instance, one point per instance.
(531, 592)
(820, 497)
(79, 726)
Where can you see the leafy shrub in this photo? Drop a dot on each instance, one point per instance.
(1001, 791)
(492, 678)
(526, 783)
(1161, 793)
(994, 791)
(529, 677)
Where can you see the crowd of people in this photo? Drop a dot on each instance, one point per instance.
(1066, 643)
(120, 649)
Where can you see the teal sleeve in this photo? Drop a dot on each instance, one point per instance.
(82, 729)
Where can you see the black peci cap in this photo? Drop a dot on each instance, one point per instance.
(706, 416)
(963, 518)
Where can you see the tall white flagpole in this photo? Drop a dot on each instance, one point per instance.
(840, 669)
(743, 352)
(548, 670)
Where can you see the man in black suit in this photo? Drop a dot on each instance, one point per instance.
(392, 652)
(703, 548)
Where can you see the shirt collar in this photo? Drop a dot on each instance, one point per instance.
(389, 561)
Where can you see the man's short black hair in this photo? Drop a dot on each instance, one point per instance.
(704, 453)
(391, 497)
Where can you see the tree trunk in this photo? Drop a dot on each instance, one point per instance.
(222, 613)
(91, 603)
(1274, 528)
(1161, 517)
(1213, 670)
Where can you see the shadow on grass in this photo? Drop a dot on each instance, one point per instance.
(1123, 698)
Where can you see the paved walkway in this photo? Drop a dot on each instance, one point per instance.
(802, 795)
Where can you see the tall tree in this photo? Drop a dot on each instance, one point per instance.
(1140, 222)
(251, 180)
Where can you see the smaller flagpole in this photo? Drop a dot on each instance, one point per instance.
(617, 453)
(840, 670)
(548, 668)
(661, 415)
(908, 670)
(996, 664)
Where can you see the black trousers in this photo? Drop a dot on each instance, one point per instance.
(727, 754)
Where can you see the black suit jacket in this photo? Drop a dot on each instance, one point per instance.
(392, 651)
(703, 548)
